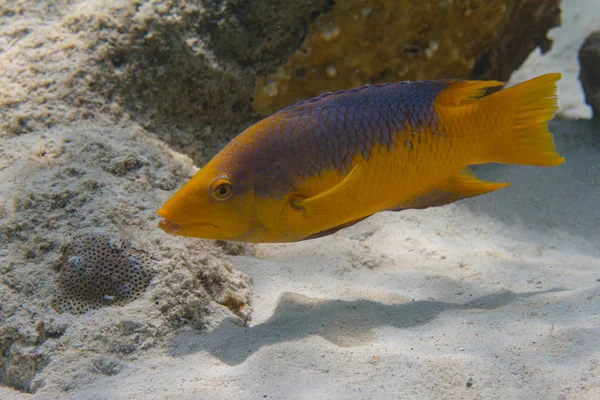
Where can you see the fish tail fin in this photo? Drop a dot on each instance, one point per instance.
(527, 108)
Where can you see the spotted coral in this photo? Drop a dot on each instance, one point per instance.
(97, 272)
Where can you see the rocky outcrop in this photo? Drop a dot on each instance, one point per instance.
(589, 60)
(197, 73)
(361, 42)
(78, 235)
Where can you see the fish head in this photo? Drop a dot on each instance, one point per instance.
(214, 204)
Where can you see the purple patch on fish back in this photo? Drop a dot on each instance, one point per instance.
(327, 131)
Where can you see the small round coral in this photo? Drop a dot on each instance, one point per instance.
(97, 272)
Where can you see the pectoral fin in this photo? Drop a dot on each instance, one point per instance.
(461, 186)
(324, 202)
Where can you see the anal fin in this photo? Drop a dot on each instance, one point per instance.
(461, 186)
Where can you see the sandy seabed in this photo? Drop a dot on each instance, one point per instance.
(490, 298)
(494, 297)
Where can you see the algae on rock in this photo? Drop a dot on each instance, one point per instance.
(372, 41)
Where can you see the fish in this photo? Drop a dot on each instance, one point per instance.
(326, 163)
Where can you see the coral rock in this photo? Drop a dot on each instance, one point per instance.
(78, 231)
(361, 42)
(589, 59)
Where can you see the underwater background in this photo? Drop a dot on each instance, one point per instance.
(107, 107)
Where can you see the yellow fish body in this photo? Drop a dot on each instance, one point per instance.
(331, 161)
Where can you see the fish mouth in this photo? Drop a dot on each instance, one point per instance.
(175, 228)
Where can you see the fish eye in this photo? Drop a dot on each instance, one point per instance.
(221, 189)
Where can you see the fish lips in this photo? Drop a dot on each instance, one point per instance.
(175, 228)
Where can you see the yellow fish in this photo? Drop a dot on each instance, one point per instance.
(326, 163)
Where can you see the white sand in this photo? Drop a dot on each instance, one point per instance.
(579, 19)
(500, 291)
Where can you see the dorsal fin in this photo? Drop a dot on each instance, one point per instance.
(459, 92)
